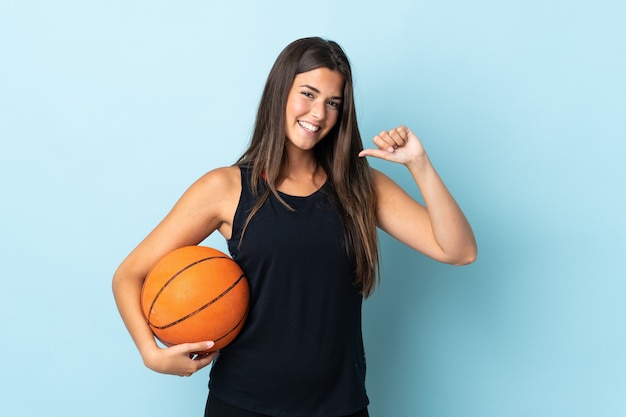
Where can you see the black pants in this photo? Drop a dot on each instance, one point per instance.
(218, 408)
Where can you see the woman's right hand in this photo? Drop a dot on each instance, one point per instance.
(181, 360)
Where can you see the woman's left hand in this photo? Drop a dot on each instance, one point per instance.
(399, 145)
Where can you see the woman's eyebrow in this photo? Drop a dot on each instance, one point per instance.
(310, 87)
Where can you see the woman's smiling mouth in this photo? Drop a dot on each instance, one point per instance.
(308, 126)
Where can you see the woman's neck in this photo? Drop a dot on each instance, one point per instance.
(301, 177)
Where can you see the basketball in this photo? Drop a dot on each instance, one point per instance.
(195, 294)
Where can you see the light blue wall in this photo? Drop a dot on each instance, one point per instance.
(110, 109)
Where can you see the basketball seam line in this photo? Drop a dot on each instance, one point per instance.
(193, 313)
(239, 323)
(234, 328)
(156, 297)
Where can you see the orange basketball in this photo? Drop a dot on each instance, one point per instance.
(195, 294)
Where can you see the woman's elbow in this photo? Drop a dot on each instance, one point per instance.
(467, 258)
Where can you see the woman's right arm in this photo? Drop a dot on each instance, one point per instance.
(208, 205)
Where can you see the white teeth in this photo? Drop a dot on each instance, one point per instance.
(309, 126)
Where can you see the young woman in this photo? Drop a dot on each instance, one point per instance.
(299, 211)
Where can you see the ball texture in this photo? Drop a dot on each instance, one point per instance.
(195, 294)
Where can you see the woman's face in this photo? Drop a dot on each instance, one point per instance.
(313, 107)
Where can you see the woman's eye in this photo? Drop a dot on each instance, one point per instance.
(307, 94)
(333, 104)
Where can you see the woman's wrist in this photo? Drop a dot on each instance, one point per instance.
(419, 163)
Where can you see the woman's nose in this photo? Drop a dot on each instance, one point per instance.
(318, 110)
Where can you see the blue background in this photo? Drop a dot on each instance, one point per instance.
(109, 110)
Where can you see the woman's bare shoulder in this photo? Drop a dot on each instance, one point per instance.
(220, 180)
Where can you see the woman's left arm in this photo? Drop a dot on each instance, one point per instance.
(439, 228)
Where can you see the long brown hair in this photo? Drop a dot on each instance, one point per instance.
(350, 176)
